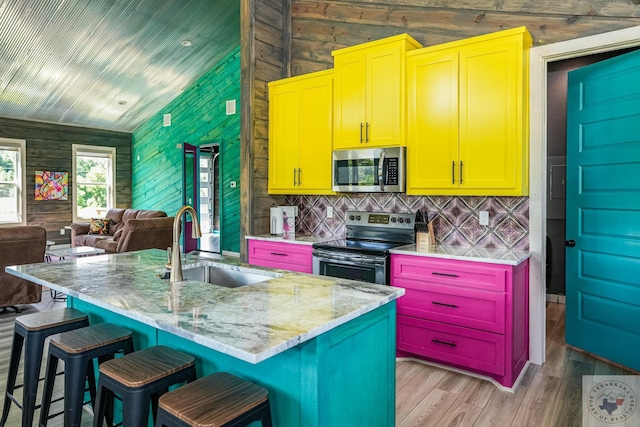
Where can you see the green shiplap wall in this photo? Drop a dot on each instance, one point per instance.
(198, 116)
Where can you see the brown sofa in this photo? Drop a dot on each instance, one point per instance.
(20, 245)
(129, 230)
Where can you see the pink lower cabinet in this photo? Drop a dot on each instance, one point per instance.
(467, 314)
(281, 255)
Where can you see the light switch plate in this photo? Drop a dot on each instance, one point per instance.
(166, 120)
(231, 107)
(483, 217)
(329, 211)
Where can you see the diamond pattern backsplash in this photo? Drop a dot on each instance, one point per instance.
(455, 219)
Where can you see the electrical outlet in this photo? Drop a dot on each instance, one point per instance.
(483, 217)
(329, 212)
(62, 231)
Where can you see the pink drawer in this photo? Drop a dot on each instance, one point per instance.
(467, 348)
(470, 274)
(459, 306)
(286, 256)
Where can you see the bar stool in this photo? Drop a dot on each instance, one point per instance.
(77, 349)
(31, 331)
(140, 378)
(217, 400)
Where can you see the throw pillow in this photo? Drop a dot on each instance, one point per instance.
(99, 226)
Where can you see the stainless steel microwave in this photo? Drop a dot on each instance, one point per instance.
(369, 170)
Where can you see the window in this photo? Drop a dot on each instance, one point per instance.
(12, 177)
(94, 181)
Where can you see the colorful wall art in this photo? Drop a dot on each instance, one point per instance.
(52, 185)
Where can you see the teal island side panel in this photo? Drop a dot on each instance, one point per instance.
(198, 116)
(343, 377)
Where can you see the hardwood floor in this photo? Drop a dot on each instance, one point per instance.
(549, 395)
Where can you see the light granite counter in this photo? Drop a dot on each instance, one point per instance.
(251, 323)
(466, 253)
(295, 239)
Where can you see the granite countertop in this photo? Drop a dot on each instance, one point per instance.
(251, 323)
(466, 253)
(296, 239)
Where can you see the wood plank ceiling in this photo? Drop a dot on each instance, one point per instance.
(107, 64)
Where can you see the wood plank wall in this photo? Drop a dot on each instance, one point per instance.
(198, 116)
(319, 27)
(265, 57)
(49, 148)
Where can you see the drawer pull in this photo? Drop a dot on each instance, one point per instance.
(437, 341)
(435, 273)
(444, 304)
(278, 254)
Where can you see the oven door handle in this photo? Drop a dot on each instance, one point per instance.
(352, 259)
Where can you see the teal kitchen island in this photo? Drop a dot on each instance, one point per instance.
(323, 347)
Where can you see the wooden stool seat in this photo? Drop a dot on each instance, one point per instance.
(78, 348)
(30, 331)
(217, 400)
(140, 378)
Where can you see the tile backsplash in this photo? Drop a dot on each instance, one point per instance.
(455, 219)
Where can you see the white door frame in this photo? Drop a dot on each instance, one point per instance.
(540, 56)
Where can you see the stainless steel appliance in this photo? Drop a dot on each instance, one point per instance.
(364, 253)
(369, 170)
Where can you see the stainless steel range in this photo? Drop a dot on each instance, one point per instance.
(364, 253)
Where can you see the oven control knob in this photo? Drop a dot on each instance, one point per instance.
(351, 217)
(400, 220)
(408, 221)
(357, 217)
(393, 219)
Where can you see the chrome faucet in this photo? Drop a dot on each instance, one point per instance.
(176, 264)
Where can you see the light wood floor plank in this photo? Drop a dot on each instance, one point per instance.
(430, 410)
(415, 390)
(536, 408)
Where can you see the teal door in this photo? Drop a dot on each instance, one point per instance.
(603, 209)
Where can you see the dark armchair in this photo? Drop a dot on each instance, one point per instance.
(20, 245)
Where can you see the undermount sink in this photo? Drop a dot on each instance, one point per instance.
(223, 276)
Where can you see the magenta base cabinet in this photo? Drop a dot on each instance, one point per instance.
(281, 255)
(469, 315)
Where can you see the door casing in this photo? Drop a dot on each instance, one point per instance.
(539, 57)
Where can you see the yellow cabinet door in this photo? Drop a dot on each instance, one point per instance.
(383, 95)
(300, 134)
(316, 118)
(283, 136)
(369, 99)
(432, 127)
(489, 106)
(350, 104)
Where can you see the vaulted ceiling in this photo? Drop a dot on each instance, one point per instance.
(108, 64)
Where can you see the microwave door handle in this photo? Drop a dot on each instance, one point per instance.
(381, 171)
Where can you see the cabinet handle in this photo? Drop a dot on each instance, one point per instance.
(299, 176)
(437, 341)
(453, 172)
(361, 126)
(435, 273)
(367, 134)
(444, 304)
(294, 177)
(278, 254)
(461, 172)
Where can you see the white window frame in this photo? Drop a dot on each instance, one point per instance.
(19, 145)
(94, 151)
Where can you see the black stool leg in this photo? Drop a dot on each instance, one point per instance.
(135, 409)
(14, 362)
(75, 373)
(34, 345)
(49, 380)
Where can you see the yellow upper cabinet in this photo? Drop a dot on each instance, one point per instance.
(467, 128)
(369, 99)
(300, 134)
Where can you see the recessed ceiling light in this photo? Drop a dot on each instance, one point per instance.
(186, 43)
(122, 102)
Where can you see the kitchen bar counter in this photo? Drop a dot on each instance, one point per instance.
(466, 253)
(324, 348)
(296, 239)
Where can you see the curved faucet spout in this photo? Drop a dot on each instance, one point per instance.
(176, 263)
